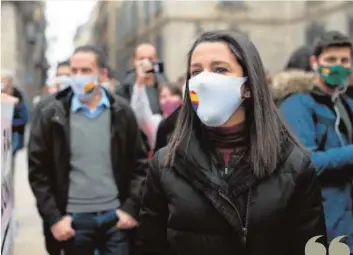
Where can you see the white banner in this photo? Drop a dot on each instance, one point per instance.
(7, 180)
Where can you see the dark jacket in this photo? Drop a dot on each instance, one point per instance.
(311, 116)
(350, 91)
(193, 208)
(20, 114)
(43, 101)
(49, 156)
(165, 130)
(125, 89)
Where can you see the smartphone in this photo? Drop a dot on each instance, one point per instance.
(157, 67)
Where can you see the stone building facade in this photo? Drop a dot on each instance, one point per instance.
(84, 33)
(100, 29)
(23, 44)
(276, 27)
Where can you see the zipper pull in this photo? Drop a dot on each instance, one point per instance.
(245, 233)
(226, 170)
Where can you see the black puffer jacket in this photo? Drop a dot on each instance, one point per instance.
(165, 130)
(193, 209)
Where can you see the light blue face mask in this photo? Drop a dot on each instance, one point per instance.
(84, 86)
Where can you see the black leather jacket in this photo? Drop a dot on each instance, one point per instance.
(49, 156)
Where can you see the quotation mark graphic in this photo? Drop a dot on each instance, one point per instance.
(335, 248)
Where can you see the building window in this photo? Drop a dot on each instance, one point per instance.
(350, 27)
(314, 31)
(146, 10)
(31, 33)
(159, 46)
(134, 16)
(158, 6)
(231, 3)
(198, 29)
(311, 3)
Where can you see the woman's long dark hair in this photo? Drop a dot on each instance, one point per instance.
(262, 118)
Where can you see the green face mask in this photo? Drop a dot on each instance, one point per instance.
(335, 76)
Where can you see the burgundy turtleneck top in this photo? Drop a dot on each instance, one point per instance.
(227, 138)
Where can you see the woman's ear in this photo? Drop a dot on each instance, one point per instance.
(245, 91)
(247, 94)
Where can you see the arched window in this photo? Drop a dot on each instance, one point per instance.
(314, 31)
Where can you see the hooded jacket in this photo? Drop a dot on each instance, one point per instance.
(310, 115)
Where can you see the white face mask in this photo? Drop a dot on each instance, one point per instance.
(215, 97)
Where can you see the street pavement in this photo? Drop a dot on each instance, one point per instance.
(29, 238)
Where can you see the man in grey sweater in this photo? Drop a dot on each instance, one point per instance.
(87, 163)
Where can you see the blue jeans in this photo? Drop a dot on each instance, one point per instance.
(97, 232)
(17, 142)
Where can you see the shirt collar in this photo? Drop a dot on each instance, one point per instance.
(76, 104)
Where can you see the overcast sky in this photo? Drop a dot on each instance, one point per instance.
(63, 17)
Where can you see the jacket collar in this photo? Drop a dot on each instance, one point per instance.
(65, 98)
(205, 170)
(198, 169)
(196, 165)
(293, 81)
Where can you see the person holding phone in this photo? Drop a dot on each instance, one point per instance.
(145, 54)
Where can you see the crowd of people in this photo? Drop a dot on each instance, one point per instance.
(228, 159)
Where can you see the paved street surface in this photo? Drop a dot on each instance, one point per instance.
(29, 239)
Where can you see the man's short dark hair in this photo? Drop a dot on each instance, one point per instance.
(63, 63)
(331, 39)
(101, 57)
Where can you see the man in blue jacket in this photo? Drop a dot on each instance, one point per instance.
(20, 114)
(322, 119)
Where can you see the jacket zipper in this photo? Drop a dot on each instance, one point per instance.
(244, 228)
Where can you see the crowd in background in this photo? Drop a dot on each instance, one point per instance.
(236, 156)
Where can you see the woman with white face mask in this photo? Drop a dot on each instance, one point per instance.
(233, 179)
